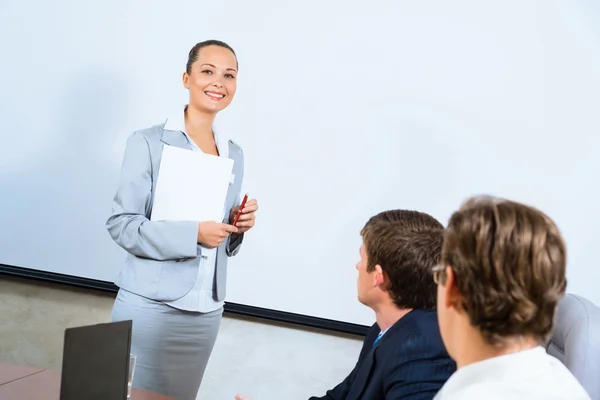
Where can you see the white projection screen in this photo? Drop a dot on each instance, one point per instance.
(344, 109)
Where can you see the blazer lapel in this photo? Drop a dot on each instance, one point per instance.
(392, 332)
(364, 373)
(175, 138)
(230, 148)
(362, 376)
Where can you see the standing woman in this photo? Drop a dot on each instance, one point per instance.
(173, 283)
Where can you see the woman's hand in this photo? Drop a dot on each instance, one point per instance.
(247, 218)
(212, 234)
(242, 397)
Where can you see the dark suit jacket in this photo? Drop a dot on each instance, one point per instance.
(408, 362)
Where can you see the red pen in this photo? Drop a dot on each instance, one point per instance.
(237, 216)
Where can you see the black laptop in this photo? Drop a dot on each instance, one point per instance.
(95, 362)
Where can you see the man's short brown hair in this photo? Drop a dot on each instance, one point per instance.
(509, 261)
(407, 245)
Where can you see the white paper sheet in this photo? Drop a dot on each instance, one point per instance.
(191, 186)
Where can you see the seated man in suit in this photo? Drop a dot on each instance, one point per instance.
(500, 281)
(403, 356)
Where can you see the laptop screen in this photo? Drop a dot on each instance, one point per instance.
(96, 362)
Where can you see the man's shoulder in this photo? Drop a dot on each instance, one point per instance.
(498, 390)
(416, 335)
(420, 324)
(473, 391)
(417, 329)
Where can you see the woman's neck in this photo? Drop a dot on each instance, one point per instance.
(198, 124)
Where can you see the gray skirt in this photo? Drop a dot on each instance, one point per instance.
(172, 346)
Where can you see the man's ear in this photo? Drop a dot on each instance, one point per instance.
(452, 295)
(379, 276)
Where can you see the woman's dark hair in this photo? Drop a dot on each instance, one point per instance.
(193, 56)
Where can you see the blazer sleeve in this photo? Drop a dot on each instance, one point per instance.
(128, 225)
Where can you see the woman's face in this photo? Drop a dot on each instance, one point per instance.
(212, 80)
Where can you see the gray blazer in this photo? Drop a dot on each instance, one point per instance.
(163, 257)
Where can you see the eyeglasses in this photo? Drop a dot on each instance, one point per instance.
(437, 270)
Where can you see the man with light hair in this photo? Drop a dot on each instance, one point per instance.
(501, 277)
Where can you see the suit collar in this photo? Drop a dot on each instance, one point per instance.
(174, 131)
(364, 372)
(176, 121)
(397, 326)
(177, 139)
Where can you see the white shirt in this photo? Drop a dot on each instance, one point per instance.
(528, 375)
(200, 298)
